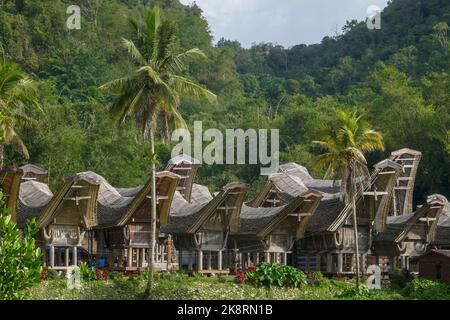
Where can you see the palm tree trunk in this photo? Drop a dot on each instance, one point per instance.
(153, 214)
(355, 230)
(2, 154)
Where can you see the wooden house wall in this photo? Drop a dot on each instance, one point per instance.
(429, 264)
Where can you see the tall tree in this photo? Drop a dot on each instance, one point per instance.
(344, 147)
(154, 90)
(17, 95)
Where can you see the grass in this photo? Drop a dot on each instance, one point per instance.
(182, 287)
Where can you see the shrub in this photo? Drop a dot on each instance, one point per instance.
(20, 266)
(87, 273)
(275, 275)
(221, 278)
(424, 289)
(318, 279)
(240, 277)
(361, 291)
(102, 274)
(400, 279)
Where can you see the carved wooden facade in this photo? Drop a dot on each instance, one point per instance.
(66, 218)
(10, 178)
(329, 242)
(201, 229)
(124, 237)
(268, 234)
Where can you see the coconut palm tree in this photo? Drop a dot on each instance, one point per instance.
(153, 90)
(344, 146)
(17, 94)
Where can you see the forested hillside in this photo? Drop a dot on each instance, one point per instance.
(399, 77)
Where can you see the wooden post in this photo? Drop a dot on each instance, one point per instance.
(121, 258)
(142, 258)
(219, 260)
(52, 256)
(66, 256)
(111, 259)
(257, 258)
(210, 260)
(284, 258)
(169, 251)
(267, 257)
(74, 255)
(163, 247)
(190, 256)
(340, 262)
(199, 260)
(329, 263)
(130, 257)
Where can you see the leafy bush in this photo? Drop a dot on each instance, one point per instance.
(87, 273)
(317, 279)
(20, 266)
(102, 274)
(400, 279)
(221, 278)
(49, 274)
(360, 291)
(275, 275)
(240, 277)
(424, 289)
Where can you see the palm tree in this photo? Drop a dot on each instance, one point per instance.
(344, 147)
(154, 90)
(17, 94)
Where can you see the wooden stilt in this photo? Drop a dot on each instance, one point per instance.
(75, 255)
(340, 263)
(66, 256)
(210, 260)
(52, 256)
(130, 257)
(219, 260)
(199, 260)
(190, 258)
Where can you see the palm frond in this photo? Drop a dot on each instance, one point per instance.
(191, 89)
(134, 52)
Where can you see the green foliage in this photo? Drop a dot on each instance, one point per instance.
(360, 291)
(87, 273)
(398, 77)
(275, 275)
(20, 265)
(400, 278)
(423, 289)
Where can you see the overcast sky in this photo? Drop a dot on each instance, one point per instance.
(286, 22)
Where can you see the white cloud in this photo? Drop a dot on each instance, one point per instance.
(287, 22)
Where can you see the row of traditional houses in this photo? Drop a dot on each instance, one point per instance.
(295, 219)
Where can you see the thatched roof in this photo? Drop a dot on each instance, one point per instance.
(188, 217)
(33, 198)
(397, 228)
(261, 221)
